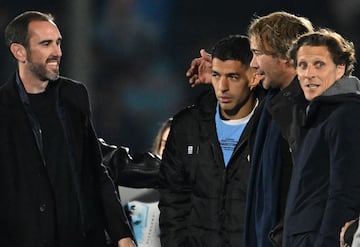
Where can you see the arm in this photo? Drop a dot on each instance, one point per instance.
(138, 171)
(343, 201)
(175, 193)
(200, 69)
(100, 188)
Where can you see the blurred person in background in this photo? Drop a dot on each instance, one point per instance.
(137, 178)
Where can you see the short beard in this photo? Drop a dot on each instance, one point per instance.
(40, 71)
(236, 109)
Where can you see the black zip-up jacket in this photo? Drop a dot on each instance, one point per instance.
(27, 199)
(202, 203)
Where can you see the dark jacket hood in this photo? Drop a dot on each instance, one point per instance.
(348, 84)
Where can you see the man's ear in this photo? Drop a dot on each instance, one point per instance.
(340, 71)
(18, 51)
(254, 80)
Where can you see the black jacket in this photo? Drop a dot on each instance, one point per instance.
(27, 198)
(287, 108)
(139, 170)
(202, 203)
(325, 187)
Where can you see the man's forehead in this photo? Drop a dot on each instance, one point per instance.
(44, 29)
(254, 42)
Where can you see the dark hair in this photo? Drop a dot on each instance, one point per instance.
(233, 47)
(275, 32)
(17, 30)
(341, 50)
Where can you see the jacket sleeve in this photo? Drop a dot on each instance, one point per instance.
(175, 194)
(343, 201)
(116, 221)
(140, 170)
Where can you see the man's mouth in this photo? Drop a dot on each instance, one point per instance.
(224, 99)
(312, 86)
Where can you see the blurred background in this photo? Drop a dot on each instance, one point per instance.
(133, 54)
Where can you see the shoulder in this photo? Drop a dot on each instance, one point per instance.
(186, 115)
(71, 85)
(347, 106)
(343, 117)
(9, 96)
(73, 93)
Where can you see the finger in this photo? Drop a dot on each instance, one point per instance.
(191, 70)
(204, 54)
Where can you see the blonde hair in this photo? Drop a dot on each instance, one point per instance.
(158, 138)
(275, 32)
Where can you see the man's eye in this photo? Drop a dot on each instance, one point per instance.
(319, 64)
(302, 66)
(257, 53)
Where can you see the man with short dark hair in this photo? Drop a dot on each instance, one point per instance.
(205, 167)
(54, 190)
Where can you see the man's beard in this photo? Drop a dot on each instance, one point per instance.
(41, 72)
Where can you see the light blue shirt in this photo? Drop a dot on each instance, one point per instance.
(229, 132)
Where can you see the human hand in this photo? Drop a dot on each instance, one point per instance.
(342, 233)
(200, 69)
(126, 242)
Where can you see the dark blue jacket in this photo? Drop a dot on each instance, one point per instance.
(271, 166)
(325, 187)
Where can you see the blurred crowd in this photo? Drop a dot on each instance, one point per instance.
(137, 51)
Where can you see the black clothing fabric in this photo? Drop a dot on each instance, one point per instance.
(202, 202)
(270, 174)
(139, 170)
(325, 189)
(56, 165)
(30, 189)
(273, 155)
(350, 232)
(287, 109)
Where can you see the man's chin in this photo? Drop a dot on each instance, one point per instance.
(266, 84)
(53, 76)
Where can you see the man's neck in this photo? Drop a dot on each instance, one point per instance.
(244, 111)
(32, 84)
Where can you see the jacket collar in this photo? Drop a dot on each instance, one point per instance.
(347, 89)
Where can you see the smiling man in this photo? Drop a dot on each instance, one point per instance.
(205, 166)
(55, 191)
